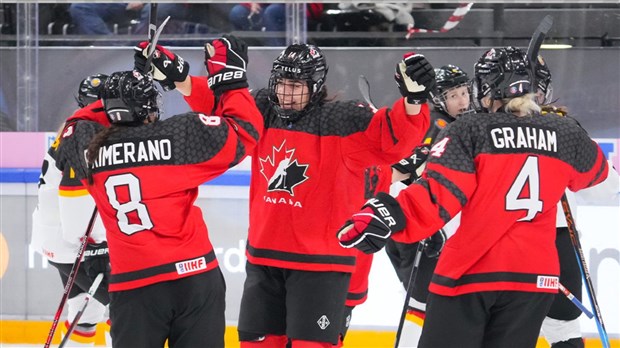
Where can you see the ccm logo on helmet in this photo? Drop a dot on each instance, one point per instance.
(383, 211)
(229, 75)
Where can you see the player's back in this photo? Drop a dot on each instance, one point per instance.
(508, 173)
(145, 182)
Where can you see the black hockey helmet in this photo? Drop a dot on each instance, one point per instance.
(90, 89)
(299, 62)
(502, 73)
(448, 77)
(543, 80)
(130, 97)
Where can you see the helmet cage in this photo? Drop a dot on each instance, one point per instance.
(447, 78)
(299, 62)
(130, 98)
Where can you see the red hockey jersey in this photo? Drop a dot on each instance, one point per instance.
(146, 181)
(507, 174)
(299, 191)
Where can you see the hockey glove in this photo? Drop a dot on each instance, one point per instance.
(226, 61)
(413, 164)
(96, 259)
(415, 78)
(435, 243)
(166, 67)
(369, 229)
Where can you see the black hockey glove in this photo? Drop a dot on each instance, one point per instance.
(166, 67)
(369, 229)
(435, 243)
(96, 259)
(415, 78)
(413, 164)
(226, 61)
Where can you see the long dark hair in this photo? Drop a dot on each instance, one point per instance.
(93, 148)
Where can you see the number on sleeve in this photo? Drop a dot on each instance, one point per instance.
(133, 203)
(439, 147)
(528, 176)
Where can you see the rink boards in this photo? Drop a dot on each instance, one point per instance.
(32, 289)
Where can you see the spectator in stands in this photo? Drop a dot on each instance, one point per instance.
(96, 18)
(267, 17)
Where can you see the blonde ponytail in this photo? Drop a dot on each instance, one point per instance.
(524, 105)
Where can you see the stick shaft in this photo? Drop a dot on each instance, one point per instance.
(71, 278)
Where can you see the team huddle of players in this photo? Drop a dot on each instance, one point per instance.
(446, 141)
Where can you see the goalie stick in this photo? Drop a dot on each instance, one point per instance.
(585, 273)
(89, 295)
(71, 278)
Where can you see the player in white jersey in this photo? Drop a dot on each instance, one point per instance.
(59, 222)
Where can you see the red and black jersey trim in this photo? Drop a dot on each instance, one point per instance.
(154, 271)
(443, 213)
(388, 119)
(302, 258)
(445, 182)
(599, 173)
(356, 296)
(490, 277)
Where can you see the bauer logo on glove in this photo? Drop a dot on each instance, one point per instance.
(369, 229)
(226, 61)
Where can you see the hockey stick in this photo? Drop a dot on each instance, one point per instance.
(537, 39)
(153, 35)
(575, 300)
(364, 86)
(414, 269)
(89, 295)
(71, 278)
(585, 273)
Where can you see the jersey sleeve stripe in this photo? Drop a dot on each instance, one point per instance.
(449, 185)
(602, 169)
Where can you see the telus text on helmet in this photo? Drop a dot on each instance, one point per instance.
(288, 69)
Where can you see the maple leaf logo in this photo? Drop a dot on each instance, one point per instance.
(282, 171)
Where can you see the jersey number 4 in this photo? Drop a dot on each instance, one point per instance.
(131, 213)
(518, 198)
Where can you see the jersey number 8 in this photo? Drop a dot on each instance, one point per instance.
(133, 204)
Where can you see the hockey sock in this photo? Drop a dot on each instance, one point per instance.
(309, 344)
(275, 341)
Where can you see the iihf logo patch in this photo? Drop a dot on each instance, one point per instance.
(191, 265)
(547, 282)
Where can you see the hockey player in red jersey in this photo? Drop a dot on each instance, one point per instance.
(297, 275)
(58, 224)
(144, 176)
(506, 170)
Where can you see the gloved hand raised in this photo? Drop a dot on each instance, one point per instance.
(96, 259)
(415, 78)
(226, 61)
(369, 229)
(413, 164)
(166, 66)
